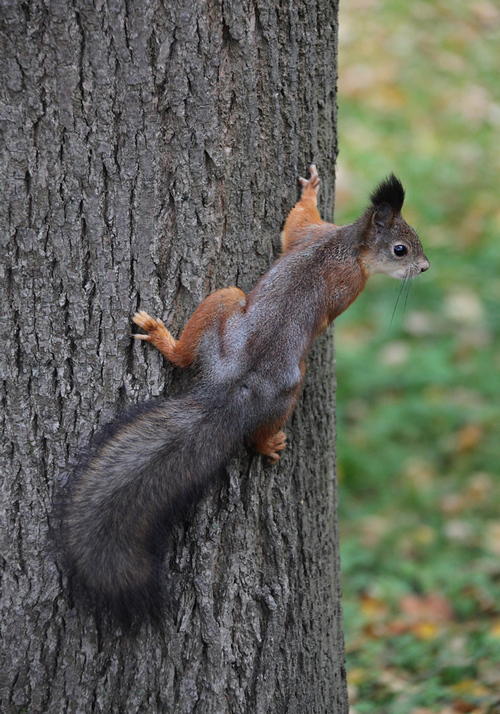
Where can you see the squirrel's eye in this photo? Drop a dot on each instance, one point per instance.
(400, 250)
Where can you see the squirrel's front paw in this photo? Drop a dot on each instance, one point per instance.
(148, 323)
(311, 184)
(157, 334)
(160, 337)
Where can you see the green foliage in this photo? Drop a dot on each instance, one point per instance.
(418, 391)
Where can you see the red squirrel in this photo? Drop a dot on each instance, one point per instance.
(149, 466)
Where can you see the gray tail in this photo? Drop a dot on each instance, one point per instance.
(140, 477)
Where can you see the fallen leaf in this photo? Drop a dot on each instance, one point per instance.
(470, 687)
(459, 530)
(357, 675)
(425, 630)
(419, 473)
(373, 529)
(464, 306)
(373, 608)
(424, 535)
(395, 354)
(454, 503)
(479, 487)
(486, 12)
(426, 608)
(469, 437)
(394, 681)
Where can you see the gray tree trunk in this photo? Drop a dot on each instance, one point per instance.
(149, 156)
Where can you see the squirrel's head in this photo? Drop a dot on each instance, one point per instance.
(390, 245)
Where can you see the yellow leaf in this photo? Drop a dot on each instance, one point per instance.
(495, 630)
(470, 687)
(373, 608)
(425, 630)
(357, 675)
(469, 437)
(424, 535)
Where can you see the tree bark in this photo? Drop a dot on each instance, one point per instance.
(150, 156)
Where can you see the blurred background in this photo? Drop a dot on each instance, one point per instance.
(418, 391)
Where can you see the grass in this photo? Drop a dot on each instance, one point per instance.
(418, 397)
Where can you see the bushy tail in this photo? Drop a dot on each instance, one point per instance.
(140, 477)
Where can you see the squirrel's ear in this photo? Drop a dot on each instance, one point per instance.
(382, 218)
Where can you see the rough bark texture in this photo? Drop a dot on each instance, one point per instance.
(149, 156)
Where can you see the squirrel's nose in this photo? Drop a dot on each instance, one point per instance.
(424, 265)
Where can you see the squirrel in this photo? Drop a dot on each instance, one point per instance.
(147, 468)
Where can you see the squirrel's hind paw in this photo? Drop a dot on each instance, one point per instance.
(275, 443)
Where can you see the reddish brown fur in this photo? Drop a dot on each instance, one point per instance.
(147, 468)
(216, 308)
(303, 215)
(346, 271)
(302, 223)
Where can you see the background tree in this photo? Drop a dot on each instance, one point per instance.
(150, 155)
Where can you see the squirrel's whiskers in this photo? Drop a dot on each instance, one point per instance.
(405, 288)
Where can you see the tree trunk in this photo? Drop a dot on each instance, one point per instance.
(150, 156)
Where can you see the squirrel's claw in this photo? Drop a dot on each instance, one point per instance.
(144, 320)
(158, 336)
(147, 323)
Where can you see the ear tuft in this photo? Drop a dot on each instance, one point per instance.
(389, 191)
